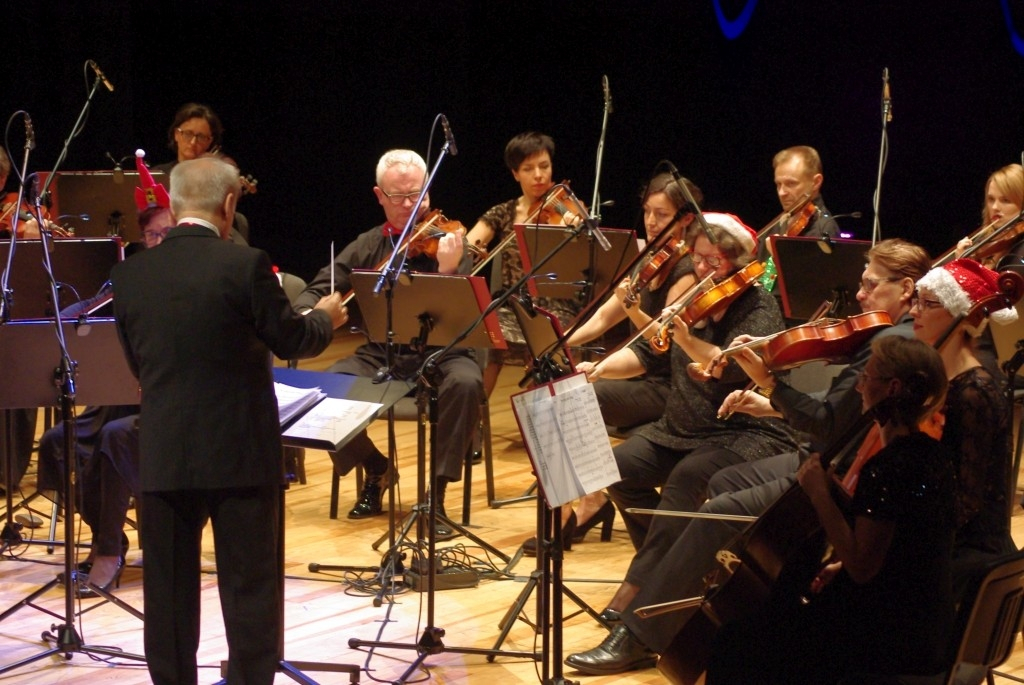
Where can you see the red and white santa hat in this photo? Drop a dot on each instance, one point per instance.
(744, 235)
(961, 284)
(149, 193)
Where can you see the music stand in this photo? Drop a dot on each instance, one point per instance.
(84, 265)
(573, 264)
(103, 378)
(448, 307)
(812, 270)
(107, 197)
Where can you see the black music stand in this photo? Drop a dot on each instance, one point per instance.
(106, 197)
(582, 271)
(812, 270)
(102, 378)
(448, 307)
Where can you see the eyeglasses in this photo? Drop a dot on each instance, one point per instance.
(714, 261)
(864, 376)
(189, 136)
(922, 303)
(155, 234)
(400, 198)
(868, 285)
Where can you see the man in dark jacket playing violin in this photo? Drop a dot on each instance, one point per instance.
(400, 178)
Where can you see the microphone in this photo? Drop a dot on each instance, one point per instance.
(448, 136)
(101, 76)
(852, 215)
(607, 94)
(886, 96)
(30, 133)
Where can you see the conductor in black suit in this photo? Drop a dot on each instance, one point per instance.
(199, 317)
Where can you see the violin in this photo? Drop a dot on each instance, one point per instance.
(428, 234)
(658, 264)
(829, 340)
(554, 209)
(709, 303)
(798, 224)
(27, 227)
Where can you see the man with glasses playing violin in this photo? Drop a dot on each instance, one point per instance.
(688, 444)
(400, 178)
(887, 284)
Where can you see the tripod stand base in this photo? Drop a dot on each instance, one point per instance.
(294, 670)
(67, 643)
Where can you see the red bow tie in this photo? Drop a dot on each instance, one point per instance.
(389, 230)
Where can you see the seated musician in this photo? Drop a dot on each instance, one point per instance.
(883, 604)
(630, 402)
(798, 177)
(529, 157)
(887, 284)
(1004, 199)
(28, 227)
(689, 443)
(977, 417)
(400, 178)
(107, 438)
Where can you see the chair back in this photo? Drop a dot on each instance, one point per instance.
(989, 620)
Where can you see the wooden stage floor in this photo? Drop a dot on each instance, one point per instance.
(323, 610)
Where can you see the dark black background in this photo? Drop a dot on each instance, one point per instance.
(311, 94)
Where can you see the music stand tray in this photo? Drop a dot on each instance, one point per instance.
(809, 275)
(542, 333)
(572, 264)
(452, 303)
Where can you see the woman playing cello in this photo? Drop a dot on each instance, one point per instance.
(885, 604)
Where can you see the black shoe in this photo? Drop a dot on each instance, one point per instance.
(611, 617)
(86, 566)
(86, 591)
(620, 652)
(568, 531)
(371, 499)
(605, 516)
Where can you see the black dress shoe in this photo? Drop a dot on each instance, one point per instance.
(611, 617)
(620, 652)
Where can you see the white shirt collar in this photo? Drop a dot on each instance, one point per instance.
(199, 222)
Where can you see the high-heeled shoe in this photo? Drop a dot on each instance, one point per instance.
(605, 516)
(87, 592)
(86, 566)
(568, 530)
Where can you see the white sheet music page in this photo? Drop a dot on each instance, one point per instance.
(565, 436)
(292, 401)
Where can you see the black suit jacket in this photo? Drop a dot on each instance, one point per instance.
(198, 318)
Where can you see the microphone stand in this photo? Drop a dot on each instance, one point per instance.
(883, 153)
(65, 638)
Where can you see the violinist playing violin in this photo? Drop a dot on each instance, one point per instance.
(681, 450)
(529, 156)
(883, 603)
(28, 227)
(798, 179)
(1004, 200)
(400, 178)
(630, 402)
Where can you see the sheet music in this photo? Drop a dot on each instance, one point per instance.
(565, 436)
(333, 421)
(292, 401)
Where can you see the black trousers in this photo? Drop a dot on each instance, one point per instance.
(629, 402)
(746, 489)
(459, 396)
(245, 534)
